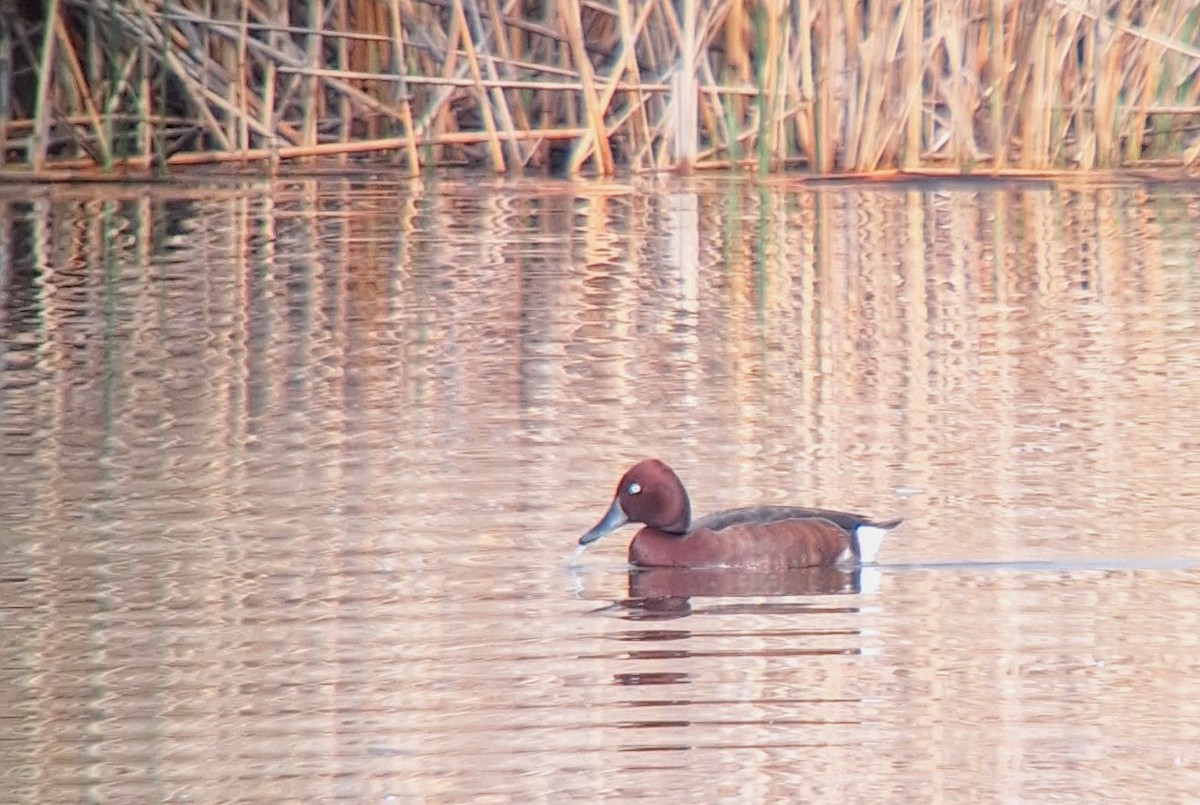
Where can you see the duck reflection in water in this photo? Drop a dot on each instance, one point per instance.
(662, 593)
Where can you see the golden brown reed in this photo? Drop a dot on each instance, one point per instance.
(974, 86)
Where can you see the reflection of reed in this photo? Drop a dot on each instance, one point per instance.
(804, 314)
(796, 326)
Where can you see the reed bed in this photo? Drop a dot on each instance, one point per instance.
(967, 86)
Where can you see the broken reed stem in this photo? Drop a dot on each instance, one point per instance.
(324, 150)
(834, 86)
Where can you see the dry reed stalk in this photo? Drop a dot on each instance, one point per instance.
(1078, 111)
(499, 101)
(222, 68)
(1033, 116)
(660, 48)
(502, 83)
(621, 63)
(1059, 45)
(242, 73)
(312, 58)
(719, 116)
(364, 46)
(410, 133)
(1148, 80)
(857, 90)
(1077, 122)
(631, 30)
(997, 90)
(191, 158)
(203, 96)
(145, 129)
(769, 78)
(805, 119)
(81, 119)
(121, 72)
(583, 146)
(438, 116)
(824, 143)
(79, 85)
(1106, 96)
(1191, 156)
(269, 113)
(569, 11)
(514, 84)
(913, 70)
(198, 93)
(266, 104)
(1139, 32)
(278, 54)
(959, 91)
(866, 115)
(549, 33)
(345, 109)
(1132, 77)
(41, 106)
(504, 46)
(481, 95)
(870, 124)
(898, 126)
(427, 128)
(736, 35)
(842, 85)
(6, 66)
(683, 95)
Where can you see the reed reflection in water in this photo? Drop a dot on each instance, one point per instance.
(292, 473)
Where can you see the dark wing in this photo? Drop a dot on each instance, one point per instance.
(761, 515)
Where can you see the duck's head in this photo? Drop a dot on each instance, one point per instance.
(649, 493)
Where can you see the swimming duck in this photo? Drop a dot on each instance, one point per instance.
(769, 537)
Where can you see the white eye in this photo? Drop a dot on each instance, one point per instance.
(633, 488)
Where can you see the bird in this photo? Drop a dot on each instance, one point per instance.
(766, 537)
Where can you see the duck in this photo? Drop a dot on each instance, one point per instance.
(762, 537)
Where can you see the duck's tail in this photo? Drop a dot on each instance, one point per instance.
(869, 536)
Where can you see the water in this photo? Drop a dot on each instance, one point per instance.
(291, 474)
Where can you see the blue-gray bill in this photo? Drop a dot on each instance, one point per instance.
(614, 518)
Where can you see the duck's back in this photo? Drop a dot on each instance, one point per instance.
(772, 537)
(765, 515)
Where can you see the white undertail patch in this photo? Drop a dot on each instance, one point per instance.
(869, 539)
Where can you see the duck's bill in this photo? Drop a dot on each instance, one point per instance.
(613, 519)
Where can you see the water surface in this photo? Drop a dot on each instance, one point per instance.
(291, 473)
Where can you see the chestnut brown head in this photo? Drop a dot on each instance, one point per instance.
(649, 493)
